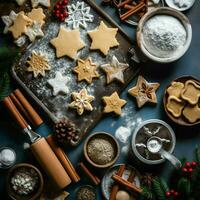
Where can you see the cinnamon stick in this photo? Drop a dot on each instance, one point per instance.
(122, 4)
(127, 6)
(14, 112)
(132, 11)
(36, 119)
(62, 157)
(115, 188)
(93, 178)
(125, 183)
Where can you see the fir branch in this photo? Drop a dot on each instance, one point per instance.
(160, 188)
(197, 154)
(147, 193)
(184, 187)
(5, 87)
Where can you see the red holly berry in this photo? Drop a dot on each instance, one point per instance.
(194, 164)
(168, 194)
(172, 191)
(176, 194)
(185, 170)
(190, 170)
(188, 164)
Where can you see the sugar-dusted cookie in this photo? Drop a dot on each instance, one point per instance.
(192, 113)
(67, 43)
(38, 64)
(20, 25)
(59, 84)
(34, 31)
(191, 92)
(175, 89)
(81, 101)
(36, 3)
(113, 104)
(103, 38)
(144, 92)
(86, 70)
(175, 106)
(8, 20)
(114, 70)
(37, 15)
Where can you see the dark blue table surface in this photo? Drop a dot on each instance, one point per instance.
(187, 138)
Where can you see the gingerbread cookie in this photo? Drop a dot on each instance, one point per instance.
(86, 70)
(36, 3)
(20, 25)
(37, 15)
(144, 92)
(175, 106)
(38, 64)
(175, 89)
(103, 38)
(82, 101)
(113, 104)
(192, 113)
(59, 84)
(114, 70)
(67, 43)
(191, 92)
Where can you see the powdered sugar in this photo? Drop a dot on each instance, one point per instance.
(164, 35)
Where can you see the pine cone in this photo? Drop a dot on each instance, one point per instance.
(66, 132)
(147, 180)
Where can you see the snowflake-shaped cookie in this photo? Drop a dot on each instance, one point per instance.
(79, 15)
(38, 64)
(59, 84)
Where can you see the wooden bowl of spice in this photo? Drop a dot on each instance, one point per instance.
(178, 106)
(101, 150)
(24, 182)
(164, 34)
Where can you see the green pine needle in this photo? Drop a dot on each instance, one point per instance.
(160, 187)
(197, 154)
(147, 193)
(184, 187)
(5, 87)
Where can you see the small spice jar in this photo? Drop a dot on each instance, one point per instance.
(101, 150)
(7, 157)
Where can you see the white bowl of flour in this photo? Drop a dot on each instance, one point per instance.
(164, 35)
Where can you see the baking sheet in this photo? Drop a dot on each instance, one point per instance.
(39, 90)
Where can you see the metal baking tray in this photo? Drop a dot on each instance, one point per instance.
(56, 107)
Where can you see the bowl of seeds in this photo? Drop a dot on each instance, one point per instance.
(24, 182)
(101, 150)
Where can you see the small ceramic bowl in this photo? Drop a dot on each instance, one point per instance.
(164, 11)
(180, 120)
(35, 194)
(108, 137)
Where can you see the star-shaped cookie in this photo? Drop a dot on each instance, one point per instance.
(20, 25)
(86, 70)
(113, 104)
(36, 3)
(34, 31)
(114, 70)
(38, 64)
(144, 92)
(67, 43)
(82, 101)
(103, 38)
(59, 84)
(37, 15)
